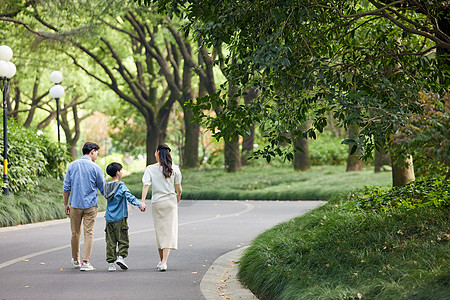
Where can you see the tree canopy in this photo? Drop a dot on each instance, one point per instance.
(364, 60)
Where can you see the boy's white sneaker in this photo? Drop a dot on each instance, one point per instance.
(76, 263)
(86, 267)
(121, 263)
(111, 267)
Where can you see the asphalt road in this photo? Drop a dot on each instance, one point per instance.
(35, 259)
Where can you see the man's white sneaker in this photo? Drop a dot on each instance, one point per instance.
(163, 267)
(86, 267)
(121, 263)
(111, 267)
(76, 263)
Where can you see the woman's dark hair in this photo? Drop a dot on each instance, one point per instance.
(165, 160)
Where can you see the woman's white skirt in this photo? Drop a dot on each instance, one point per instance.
(165, 219)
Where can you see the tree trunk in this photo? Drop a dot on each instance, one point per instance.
(72, 135)
(231, 150)
(381, 158)
(443, 54)
(353, 161)
(232, 156)
(190, 156)
(402, 175)
(301, 152)
(249, 139)
(192, 129)
(152, 142)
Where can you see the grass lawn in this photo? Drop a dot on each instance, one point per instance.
(337, 253)
(268, 183)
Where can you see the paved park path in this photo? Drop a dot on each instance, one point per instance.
(35, 259)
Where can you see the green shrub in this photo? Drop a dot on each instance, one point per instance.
(30, 156)
(423, 192)
(327, 150)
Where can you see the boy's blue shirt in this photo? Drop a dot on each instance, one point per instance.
(117, 194)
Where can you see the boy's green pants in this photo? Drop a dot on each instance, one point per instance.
(117, 240)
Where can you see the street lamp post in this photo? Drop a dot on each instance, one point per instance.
(7, 71)
(56, 92)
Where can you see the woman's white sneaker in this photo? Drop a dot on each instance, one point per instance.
(163, 267)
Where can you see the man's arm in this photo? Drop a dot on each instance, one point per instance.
(66, 202)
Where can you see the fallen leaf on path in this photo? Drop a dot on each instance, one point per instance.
(25, 260)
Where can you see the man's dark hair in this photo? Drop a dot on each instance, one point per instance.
(113, 168)
(89, 146)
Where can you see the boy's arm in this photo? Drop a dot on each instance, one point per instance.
(131, 198)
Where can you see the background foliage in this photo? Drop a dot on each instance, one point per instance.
(31, 156)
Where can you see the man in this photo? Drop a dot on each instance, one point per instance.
(82, 180)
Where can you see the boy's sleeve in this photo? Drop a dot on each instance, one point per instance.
(129, 196)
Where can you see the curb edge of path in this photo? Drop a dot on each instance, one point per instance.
(220, 281)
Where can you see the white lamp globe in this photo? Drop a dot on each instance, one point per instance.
(56, 77)
(4, 68)
(56, 91)
(12, 69)
(5, 53)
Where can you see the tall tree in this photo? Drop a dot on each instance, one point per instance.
(328, 47)
(301, 151)
(249, 138)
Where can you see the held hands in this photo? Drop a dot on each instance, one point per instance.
(143, 207)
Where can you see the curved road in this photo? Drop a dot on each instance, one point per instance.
(35, 259)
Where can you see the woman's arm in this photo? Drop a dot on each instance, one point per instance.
(144, 193)
(179, 191)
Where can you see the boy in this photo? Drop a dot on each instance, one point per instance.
(117, 195)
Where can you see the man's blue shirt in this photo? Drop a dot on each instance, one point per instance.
(82, 180)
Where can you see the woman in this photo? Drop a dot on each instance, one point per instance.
(164, 177)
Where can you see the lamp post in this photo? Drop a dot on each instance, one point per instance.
(56, 92)
(7, 71)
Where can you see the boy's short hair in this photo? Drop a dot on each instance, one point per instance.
(113, 168)
(89, 146)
